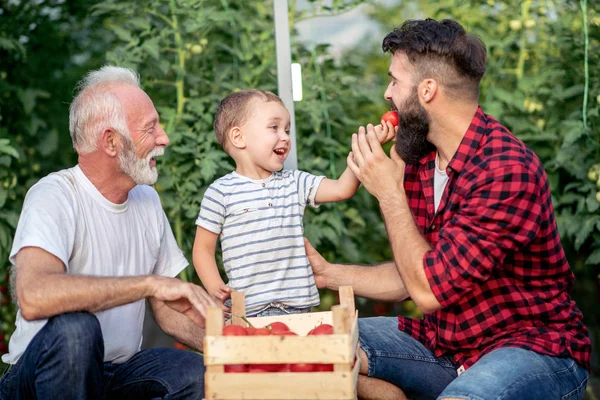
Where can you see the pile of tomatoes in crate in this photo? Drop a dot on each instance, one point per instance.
(276, 329)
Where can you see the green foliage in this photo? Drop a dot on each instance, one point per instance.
(205, 53)
(191, 53)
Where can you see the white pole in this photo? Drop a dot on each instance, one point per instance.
(284, 73)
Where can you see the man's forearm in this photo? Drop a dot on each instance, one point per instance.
(409, 248)
(54, 294)
(178, 325)
(379, 282)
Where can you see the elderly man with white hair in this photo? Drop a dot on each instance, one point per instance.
(92, 243)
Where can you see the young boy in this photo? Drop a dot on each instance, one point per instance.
(257, 209)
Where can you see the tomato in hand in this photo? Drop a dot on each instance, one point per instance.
(390, 116)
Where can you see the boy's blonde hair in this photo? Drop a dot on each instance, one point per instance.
(234, 110)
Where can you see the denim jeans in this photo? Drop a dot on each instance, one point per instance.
(65, 361)
(506, 373)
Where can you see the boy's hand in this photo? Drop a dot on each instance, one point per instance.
(222, 294)
(385, 132)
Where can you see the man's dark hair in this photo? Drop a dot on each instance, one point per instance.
(441, 50)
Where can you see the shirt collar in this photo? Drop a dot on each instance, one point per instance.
(468, 145)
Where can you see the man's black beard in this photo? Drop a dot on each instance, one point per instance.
(413, 128)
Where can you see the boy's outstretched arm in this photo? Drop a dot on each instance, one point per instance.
(332, 190)
(203, 256)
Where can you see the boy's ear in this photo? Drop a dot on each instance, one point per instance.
(109, 142)
(236, 137)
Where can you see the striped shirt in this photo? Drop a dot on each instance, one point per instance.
(259, 223)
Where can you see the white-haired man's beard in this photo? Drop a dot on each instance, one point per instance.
(138, 169)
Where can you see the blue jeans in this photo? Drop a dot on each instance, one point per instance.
(65, 361)
(506, 373)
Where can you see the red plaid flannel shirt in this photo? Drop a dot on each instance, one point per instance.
(497, 266)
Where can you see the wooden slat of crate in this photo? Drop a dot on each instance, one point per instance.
(329, 349)
(278, 349)
(283, 385)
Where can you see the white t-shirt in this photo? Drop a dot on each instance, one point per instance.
(65, 215)
(440, 180)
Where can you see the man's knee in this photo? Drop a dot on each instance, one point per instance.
(189, 382)
(364, 362)
(76, 336)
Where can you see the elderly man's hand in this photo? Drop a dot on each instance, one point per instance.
(184, 297)
(381, 175)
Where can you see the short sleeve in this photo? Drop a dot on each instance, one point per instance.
(212, 210)
(47, 220)
(308, 185)
(171, 260)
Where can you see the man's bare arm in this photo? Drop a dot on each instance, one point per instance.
(380, 282)
(44, 289)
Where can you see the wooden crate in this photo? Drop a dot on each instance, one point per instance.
(338, 349)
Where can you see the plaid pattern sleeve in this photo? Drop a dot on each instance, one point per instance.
(497, 266)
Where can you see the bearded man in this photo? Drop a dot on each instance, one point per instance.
(469, 216)
(92, 243)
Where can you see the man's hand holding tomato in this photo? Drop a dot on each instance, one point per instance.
(381, 175)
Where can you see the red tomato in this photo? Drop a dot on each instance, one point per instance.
(250, 330)
(234, 330)
(261, 332)
(391, 116)
(236, 368)
(302, 367)
(177, 344)
(284, 333)
(323, 367)
(323, 329)
(267, 367)
(276, 327)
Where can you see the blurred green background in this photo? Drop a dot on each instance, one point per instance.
(542, 82)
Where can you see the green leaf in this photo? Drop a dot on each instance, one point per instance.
(573, 91)
(121, 33)
(11, 151)
(585, 231)
(3, 196)
(151, 47)
(594, 258)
